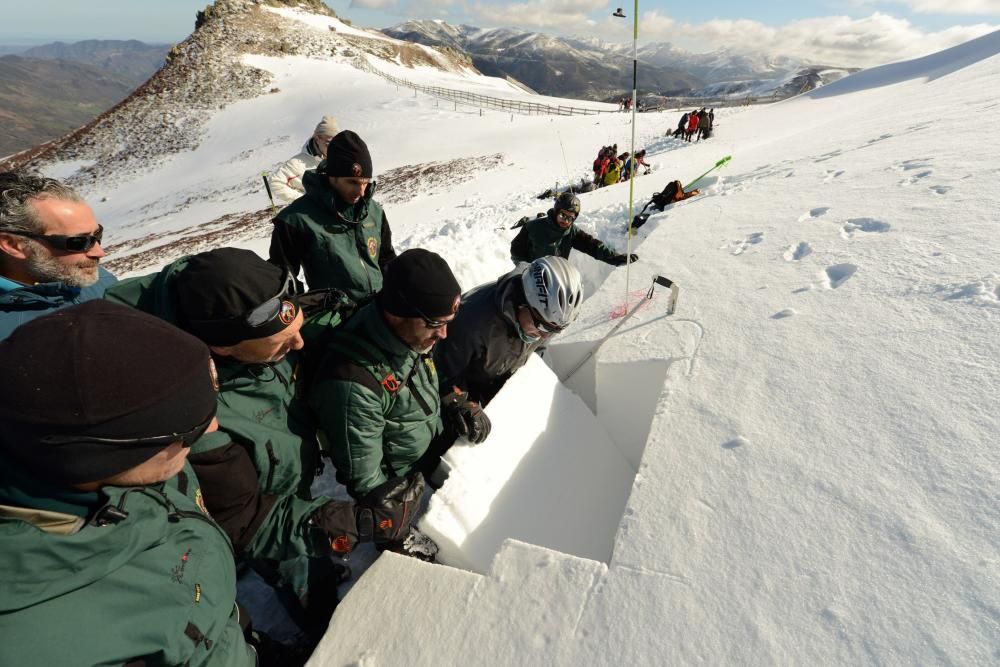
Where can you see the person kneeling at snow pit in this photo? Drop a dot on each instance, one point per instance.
(554, 233)
(375, 394)
(497, 329)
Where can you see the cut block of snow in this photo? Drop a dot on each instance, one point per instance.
(549, 475)
(544, 592)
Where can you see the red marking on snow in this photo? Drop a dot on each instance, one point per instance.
(622, 310)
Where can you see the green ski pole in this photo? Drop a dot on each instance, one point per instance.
(718, 165)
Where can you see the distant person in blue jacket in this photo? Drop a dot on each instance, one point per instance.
(50, 249)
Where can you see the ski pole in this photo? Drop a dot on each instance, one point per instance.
(267, 186)
(721, 163)
(671, 307)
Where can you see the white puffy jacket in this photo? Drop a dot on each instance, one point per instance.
(286, 182)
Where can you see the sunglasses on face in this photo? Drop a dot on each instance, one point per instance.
(187, 438)
(81, 243)
(543, 327)
(566, 216)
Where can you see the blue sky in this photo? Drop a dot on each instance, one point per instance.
(867, 30)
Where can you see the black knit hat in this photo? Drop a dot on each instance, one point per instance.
(347, 155)
(229, 295)
(99, 371)
(419, 283)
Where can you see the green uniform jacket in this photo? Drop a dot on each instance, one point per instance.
(257, 468)
(337, 244)
(374, 434)
(542, 237)
(157, 582)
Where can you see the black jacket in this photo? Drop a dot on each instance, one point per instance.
(483, 348)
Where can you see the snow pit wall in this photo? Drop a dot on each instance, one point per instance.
(551, 473)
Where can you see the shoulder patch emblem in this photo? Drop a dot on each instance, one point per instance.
(372, 247)
(430, 364)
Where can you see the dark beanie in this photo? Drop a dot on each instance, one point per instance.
(217, 289)
(419, 283)
(98, 370)
(347, 155)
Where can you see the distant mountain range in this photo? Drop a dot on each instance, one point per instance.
(131, 60)
(48, 90)
(590, 68)
(549, 65)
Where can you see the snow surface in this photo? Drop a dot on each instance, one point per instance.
(800, 464)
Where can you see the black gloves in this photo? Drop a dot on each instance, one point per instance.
(327, 300)
(386, 512)
(464, 417)
(620, 259)
(338, 526)
(383, 515)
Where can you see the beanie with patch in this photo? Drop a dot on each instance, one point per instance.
(347, 155)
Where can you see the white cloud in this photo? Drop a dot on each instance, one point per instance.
(563, 15)
(981, 7)
(833, 40)
(373, 4)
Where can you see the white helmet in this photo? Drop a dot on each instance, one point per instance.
(553, 288)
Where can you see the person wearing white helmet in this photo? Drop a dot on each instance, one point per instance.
(501, 323)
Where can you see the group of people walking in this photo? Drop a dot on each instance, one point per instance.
(698, 124)
(161, 433)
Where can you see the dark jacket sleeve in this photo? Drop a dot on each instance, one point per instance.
(232, 492)
(258, 524)
(286, 249)
(453, 358)
(386, 252)
(586, 243)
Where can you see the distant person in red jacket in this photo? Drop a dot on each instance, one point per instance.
(692, 125)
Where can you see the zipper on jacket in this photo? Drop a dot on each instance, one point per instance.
(273, 463)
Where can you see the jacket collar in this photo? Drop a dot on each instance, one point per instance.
(12, 291)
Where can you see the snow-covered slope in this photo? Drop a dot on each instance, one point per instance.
(807, 447)
(819, 480)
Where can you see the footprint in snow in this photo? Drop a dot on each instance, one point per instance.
(866, 225)
(782, 314)
(941, 189)
(735, 443)
(739, 247)
(794, 253)
(878, 139)
(838, 274)
(814, 213)
(910, 165)
(915, 178)
(831, 174)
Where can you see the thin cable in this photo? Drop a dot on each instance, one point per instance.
(631, 176)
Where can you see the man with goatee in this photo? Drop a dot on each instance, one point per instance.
(50, 249)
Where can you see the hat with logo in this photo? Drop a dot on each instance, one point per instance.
(229, 295)
(347, 155)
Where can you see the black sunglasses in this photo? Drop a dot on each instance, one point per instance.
(566, 215)
(540, 323)
(82, 243)
(429, 322)
(187, 438)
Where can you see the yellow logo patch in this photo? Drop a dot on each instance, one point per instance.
(372, 247)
